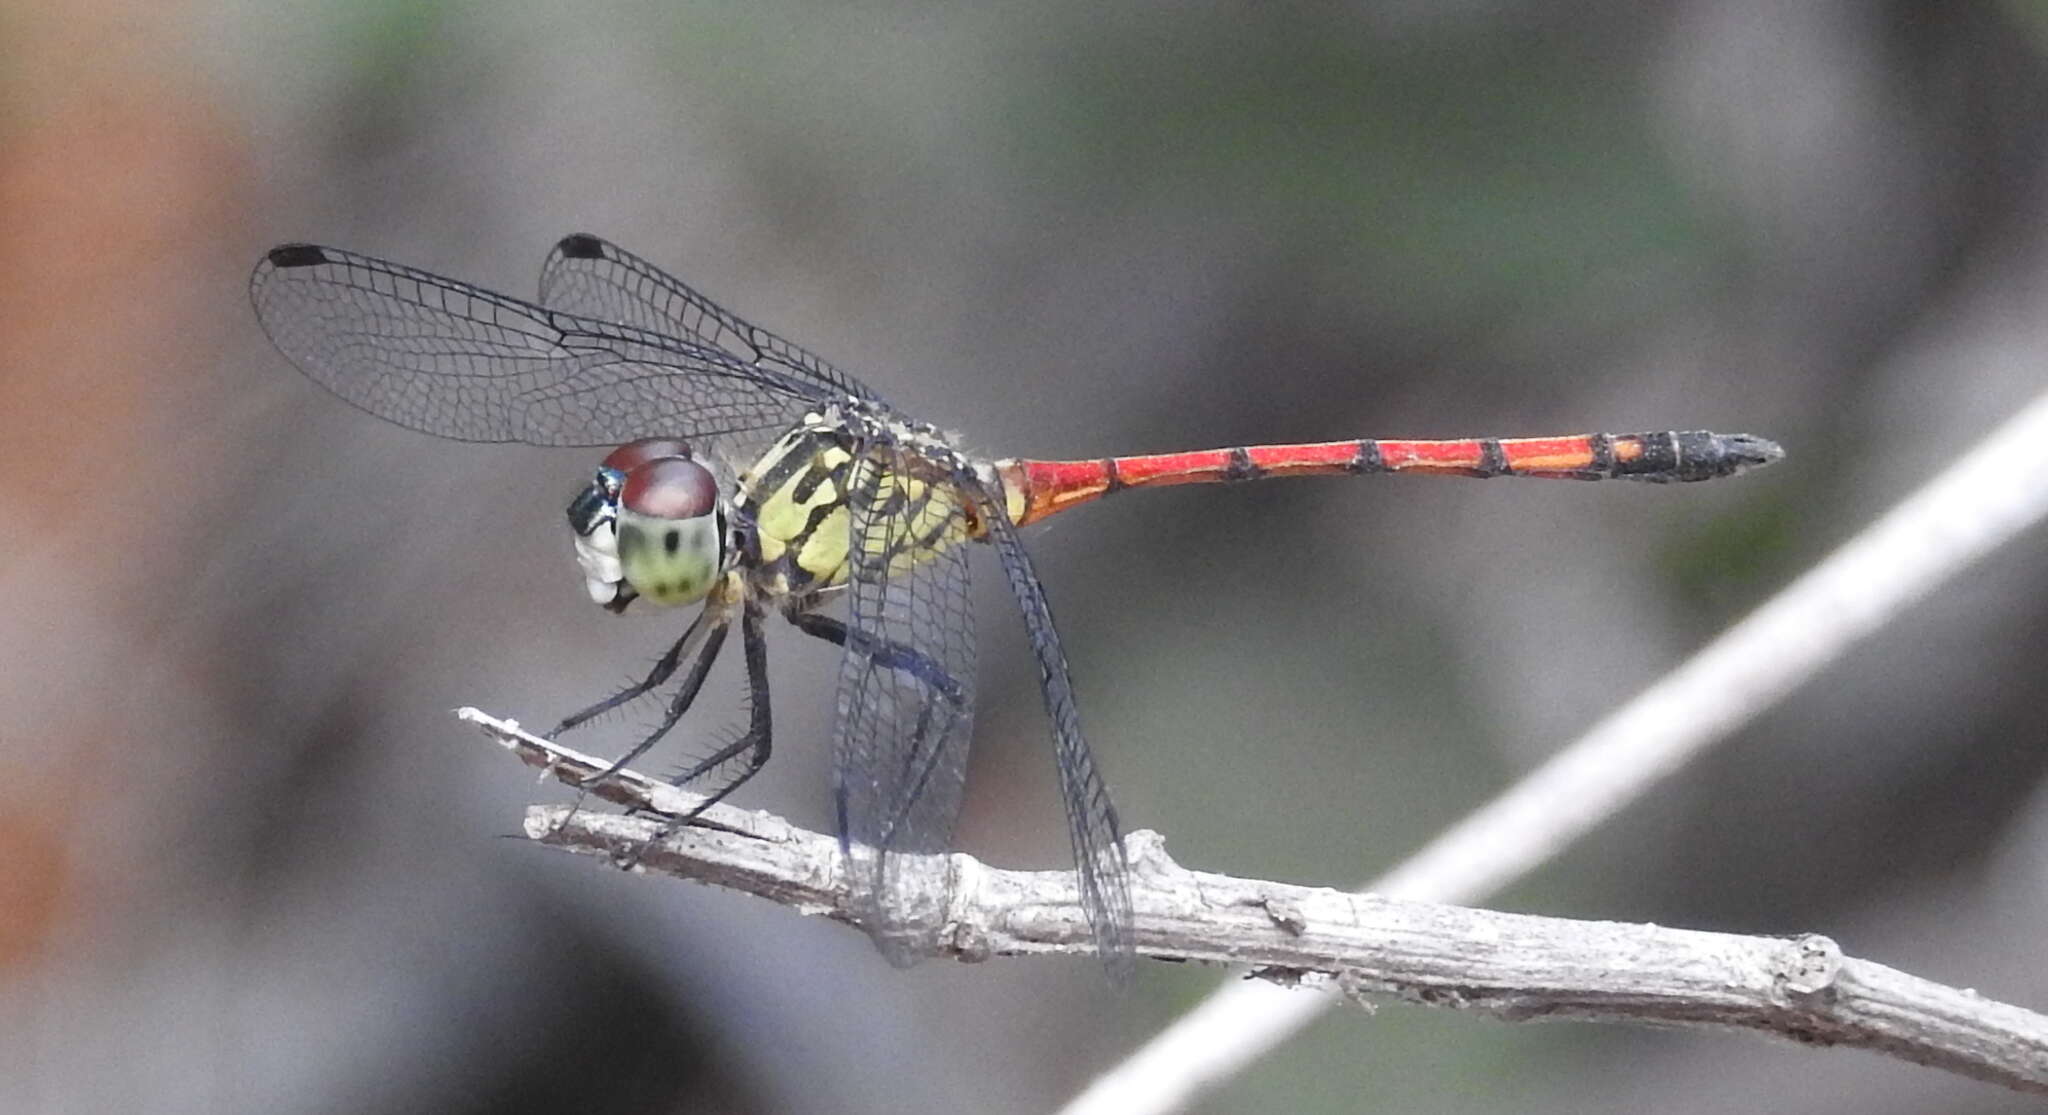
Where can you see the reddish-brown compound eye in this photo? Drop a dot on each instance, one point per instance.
(633, 454)
(670, 488)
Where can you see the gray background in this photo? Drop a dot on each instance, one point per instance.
(251, 863)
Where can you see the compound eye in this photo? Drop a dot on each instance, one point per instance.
(669, 488)
(633, 454)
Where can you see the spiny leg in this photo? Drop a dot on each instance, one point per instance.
(894, 656)
(663, 669)
(714, 638)
(710, 629)
(922, 757)
(756, 744)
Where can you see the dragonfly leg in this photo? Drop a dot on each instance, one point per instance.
(754, 745)
(894, 656)
(713, 639)
(920, 759)
(758, 740)
(664, 668)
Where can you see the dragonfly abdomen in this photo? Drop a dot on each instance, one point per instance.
(1036, 489)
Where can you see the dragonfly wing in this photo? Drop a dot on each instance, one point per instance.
(451, 359)
(623, 388)
(1099, 858)
(595, 278)
(906, 695)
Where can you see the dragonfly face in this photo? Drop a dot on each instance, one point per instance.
(651, 523)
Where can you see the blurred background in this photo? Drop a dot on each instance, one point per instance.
(248, 862)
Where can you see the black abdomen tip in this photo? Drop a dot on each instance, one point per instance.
(287, 256)
(1744, 451)
(581, 245)
(1686, 456)
(1709, 456)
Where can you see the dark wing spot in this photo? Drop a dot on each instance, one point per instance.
(581, 245)
(286, 256)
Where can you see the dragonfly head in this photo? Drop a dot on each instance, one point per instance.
(650, 523)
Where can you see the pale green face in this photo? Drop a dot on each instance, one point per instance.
(670, 561)
(651, 524)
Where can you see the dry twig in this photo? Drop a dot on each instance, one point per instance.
(1514, 966)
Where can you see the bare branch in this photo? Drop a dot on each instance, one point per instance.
(1513, 966)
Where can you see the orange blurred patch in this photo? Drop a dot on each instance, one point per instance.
(119, 183)
(115, 181)
(33, 868)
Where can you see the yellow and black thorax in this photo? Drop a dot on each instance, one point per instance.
(798, 498)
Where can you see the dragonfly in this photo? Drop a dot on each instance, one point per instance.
(746, 476)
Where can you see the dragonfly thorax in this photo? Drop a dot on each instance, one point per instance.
(650, 523)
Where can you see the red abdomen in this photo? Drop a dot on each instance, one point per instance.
(1036, 489)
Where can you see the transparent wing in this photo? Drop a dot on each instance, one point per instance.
(906, 694)
(454, 360)
(1104, 870)
(595, 278)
